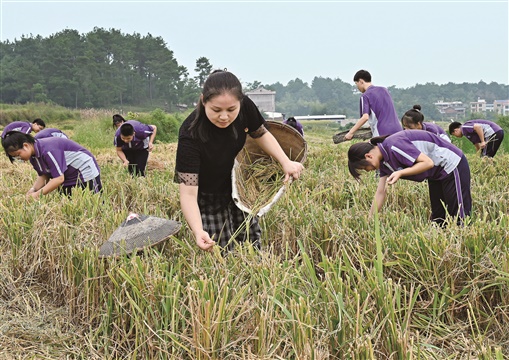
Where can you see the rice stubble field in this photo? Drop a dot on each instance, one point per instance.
(329, 283)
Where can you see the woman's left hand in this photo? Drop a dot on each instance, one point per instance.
(393, 177)
(293, 169)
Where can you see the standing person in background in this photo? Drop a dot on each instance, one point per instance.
(134, 141)
(295, 124)
(417, 156)
(24, 127)
(485, 135)
(50, 132)
(60, 163)
(414, 120)
(209, 140)
(376, 107)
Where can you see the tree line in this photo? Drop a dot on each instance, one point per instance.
(107, 68)
(334, 96)
(100, 69)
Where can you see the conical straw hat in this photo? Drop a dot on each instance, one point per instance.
(138, 232)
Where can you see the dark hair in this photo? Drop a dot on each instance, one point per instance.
(413, 116)
(453, 126)
(117, 118)
(362, 74)
(126, 129)
(39, 122)
(357, 152)
(14, 140)
(218, 83)
(292, 122)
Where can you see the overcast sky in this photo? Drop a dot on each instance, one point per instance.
(401, 43)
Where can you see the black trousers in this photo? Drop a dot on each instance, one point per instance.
(493, 144)
(137, 161)
(94, 185)
(451, 193)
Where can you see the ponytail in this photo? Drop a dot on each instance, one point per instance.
(377, 140)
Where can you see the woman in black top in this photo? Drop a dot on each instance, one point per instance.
(209, 140)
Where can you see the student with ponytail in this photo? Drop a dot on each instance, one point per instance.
(417, 156)
(60, 163)
(414, 120)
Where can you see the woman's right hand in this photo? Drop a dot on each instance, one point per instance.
(292, 169)
(204, 241)
(126, 163)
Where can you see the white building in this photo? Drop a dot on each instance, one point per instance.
(478, 106)
(263, 98)
(481, 106)
(501, 107)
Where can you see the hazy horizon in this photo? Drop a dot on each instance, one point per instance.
(401, 43)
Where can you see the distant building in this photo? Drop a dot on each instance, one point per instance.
(478, 106)
(451, 109)
(263, 98)
(481, 106)
(501, 107)
(181, 107)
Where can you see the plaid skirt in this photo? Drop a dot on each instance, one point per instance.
(226, 223)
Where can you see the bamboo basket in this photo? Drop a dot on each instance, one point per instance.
(257, 178)
(362, 134)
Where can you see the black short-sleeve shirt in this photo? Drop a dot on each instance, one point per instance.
(213, 160)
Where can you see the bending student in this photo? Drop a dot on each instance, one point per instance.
(60, 163)
(414, 120)
(417, 156)
(134, 141)
(485, 135)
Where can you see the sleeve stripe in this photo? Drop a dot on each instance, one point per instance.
(402, 153)
(55, 162)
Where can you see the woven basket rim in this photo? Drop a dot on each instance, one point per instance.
(287, 137)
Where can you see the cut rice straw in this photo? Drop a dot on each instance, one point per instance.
(258, 182)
